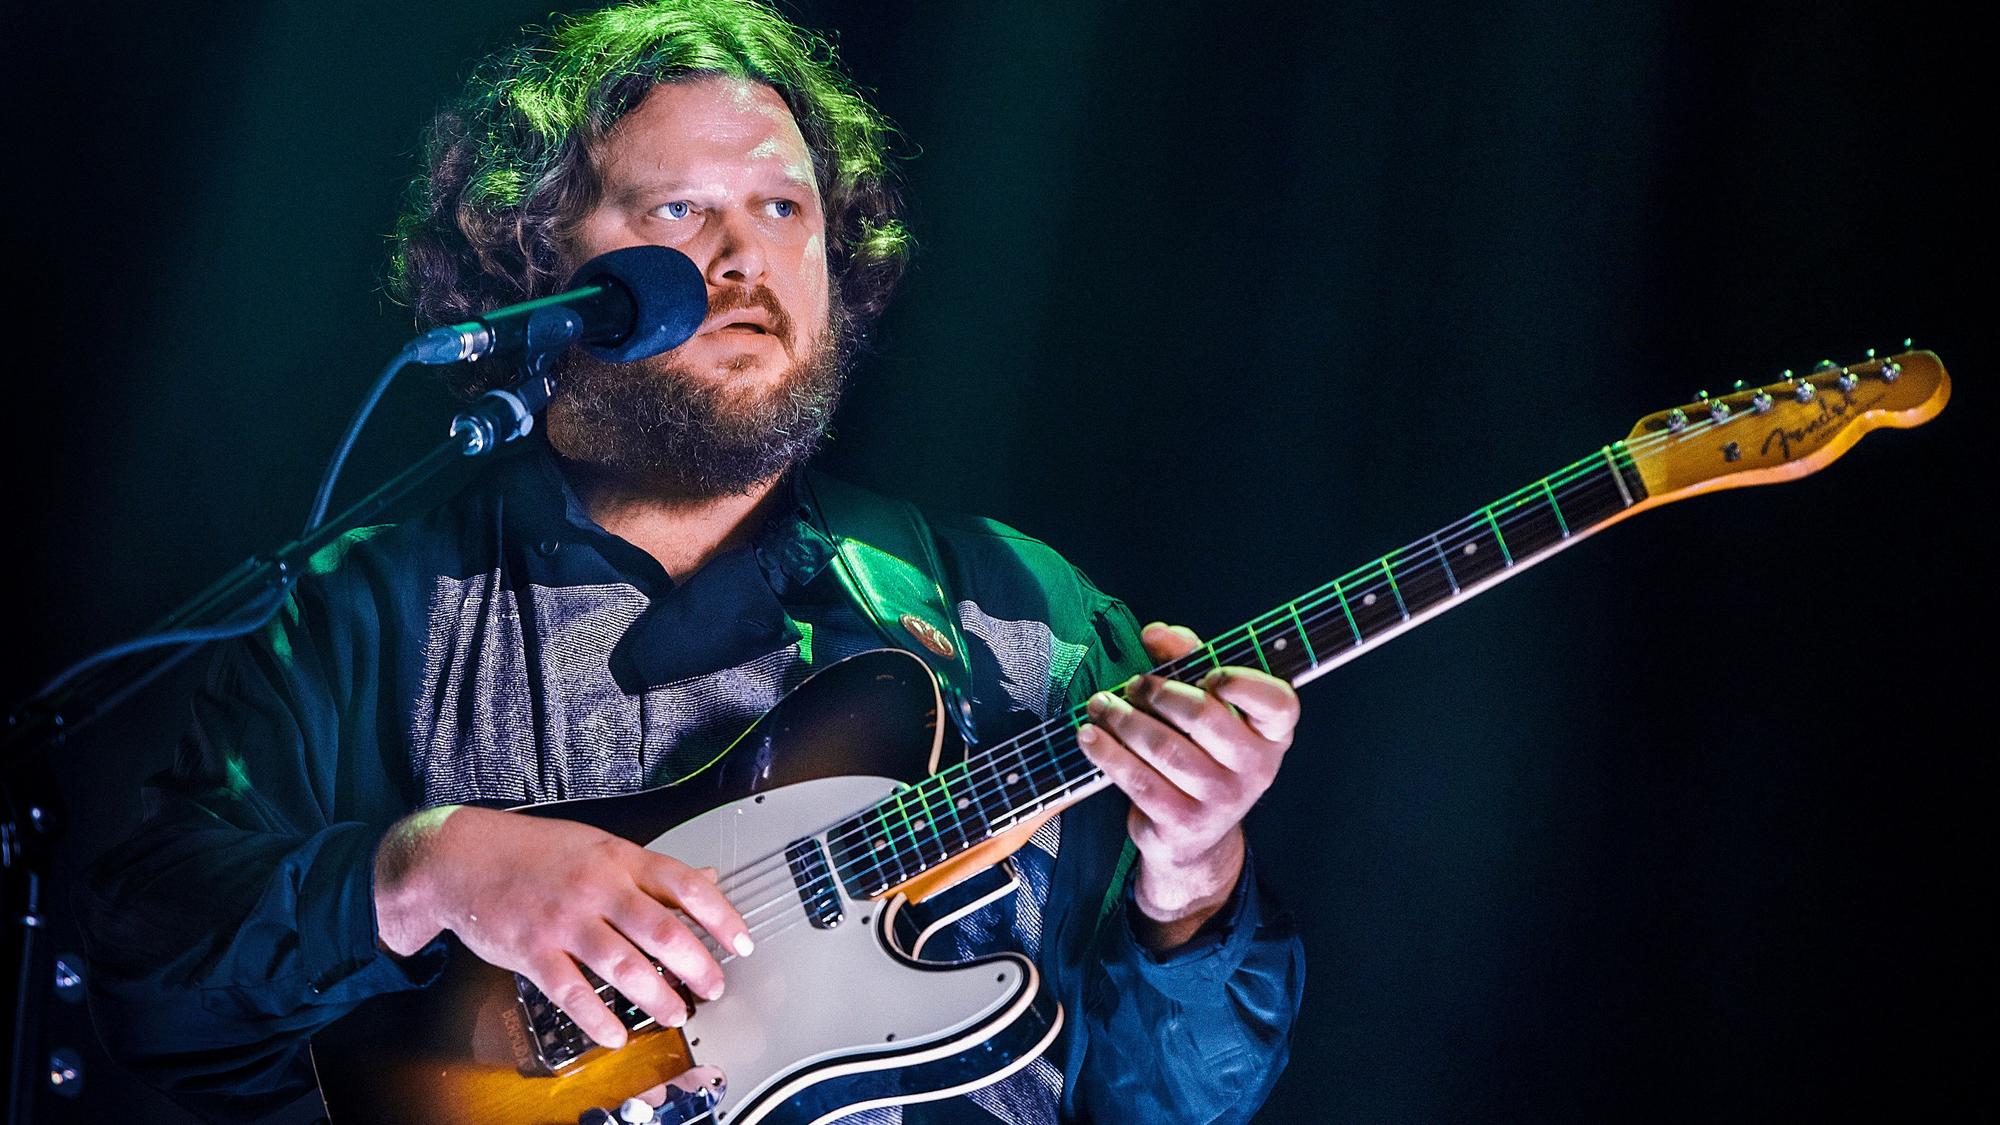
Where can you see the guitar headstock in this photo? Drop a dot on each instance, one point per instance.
(1783, 431)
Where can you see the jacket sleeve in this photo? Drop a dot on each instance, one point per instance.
(1198, 1035)
(239, 920)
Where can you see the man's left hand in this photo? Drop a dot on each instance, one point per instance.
(1193, 758)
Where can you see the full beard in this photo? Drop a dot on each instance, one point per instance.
(671, 430)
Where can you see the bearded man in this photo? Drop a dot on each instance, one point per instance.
(607, 611)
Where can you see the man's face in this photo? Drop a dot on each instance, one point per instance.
(717, 169)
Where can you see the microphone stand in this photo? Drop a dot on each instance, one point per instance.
(30, 807)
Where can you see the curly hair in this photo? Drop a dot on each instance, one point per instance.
(509, 169)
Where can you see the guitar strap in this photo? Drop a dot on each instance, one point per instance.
(887, 562)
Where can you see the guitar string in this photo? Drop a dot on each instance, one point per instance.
(1591, 470)
(1583, 477)
(1589, 474)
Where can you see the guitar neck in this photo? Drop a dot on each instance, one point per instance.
(998, 788)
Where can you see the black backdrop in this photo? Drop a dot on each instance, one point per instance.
(1693, 822)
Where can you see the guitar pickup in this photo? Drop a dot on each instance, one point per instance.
(812, 875)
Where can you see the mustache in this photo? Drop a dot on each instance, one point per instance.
(754, 297)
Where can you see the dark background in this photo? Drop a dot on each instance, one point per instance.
(1694, 822)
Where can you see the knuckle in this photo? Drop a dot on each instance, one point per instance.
(573, 996)
(667, 934)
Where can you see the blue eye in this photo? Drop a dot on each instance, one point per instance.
(678, 209)
(784, 208)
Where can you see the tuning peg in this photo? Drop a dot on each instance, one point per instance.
(1826, 365)
(1805, 391)
(1909, 343)
(1718, 411)
(1891, 372)
(1870, 354)
(1677, 420)
(1736, 386)
(1760, 402)
(1847, 379)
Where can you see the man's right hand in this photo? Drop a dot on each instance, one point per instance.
(539, 896)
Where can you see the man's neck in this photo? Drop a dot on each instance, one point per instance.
(681, 532)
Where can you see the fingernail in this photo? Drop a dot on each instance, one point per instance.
(1087, 735)
(744, 946)
(713, 994)
(1098, 704)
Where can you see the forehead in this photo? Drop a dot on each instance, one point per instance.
(703, 128)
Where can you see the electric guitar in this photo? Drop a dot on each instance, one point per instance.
(849, 806)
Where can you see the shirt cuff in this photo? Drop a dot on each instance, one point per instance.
(344, 962)
(1192, 971)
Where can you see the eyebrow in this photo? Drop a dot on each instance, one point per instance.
(646, 186)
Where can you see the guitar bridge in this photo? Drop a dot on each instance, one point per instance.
(556, 1040)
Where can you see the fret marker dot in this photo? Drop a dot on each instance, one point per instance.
(880, 844)
(1471, 548)
(1013, 778)
(1279, 644)
(920, 825)
(965, 802)
(1368, 599)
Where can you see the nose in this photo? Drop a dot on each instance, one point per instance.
(739, 254)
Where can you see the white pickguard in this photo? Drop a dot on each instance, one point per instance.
(809, 995)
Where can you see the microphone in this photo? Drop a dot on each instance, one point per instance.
(624, 305)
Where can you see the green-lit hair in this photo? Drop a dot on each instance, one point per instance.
(508, 169)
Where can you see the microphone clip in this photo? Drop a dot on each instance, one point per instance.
(505, 414)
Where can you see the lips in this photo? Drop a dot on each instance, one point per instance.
(744, 313)
(751, 320)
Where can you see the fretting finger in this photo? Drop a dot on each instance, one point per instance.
(1151, 792)
(1269, 705)
(1211, 722)
(1167, 750)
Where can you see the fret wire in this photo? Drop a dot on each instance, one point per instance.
(951, 803)
(1556, 508)
(1495, 524)
(1049, 744)
(1618, 476)
(1298, 623)
(1444, 562)
(1349, 611)
(910, 829)
(1258, 649)
(1392, 585)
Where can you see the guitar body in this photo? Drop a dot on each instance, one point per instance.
(830, 1015)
